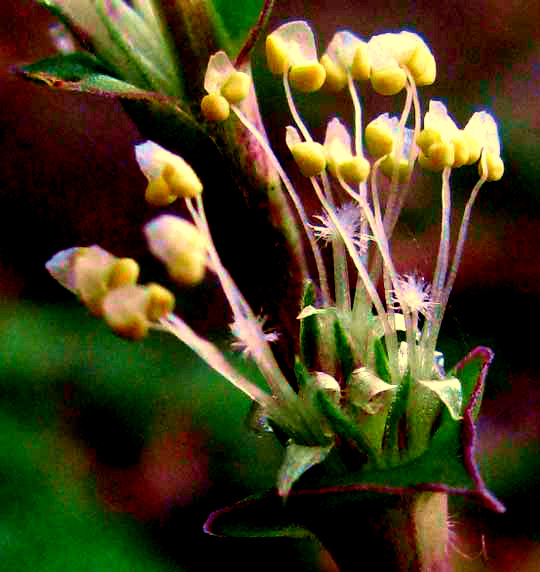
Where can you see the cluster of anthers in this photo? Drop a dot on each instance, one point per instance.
(345, 173)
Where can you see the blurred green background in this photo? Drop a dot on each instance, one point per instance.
(113, 454)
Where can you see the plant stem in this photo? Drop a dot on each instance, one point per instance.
(402, 533)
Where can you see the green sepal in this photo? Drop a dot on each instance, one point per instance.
(395, 432)
(298, 459)
(344, 352)
(382, 366)
(309, 329)
(302, 374)
(343, 425)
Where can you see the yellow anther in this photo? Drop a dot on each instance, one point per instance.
(355, 171)
(388, 166)
(236, 87)
(276, 54)
(310, 158)
(474, 146)
(361, 66)
(124, 311)
(441, 155)
(123, 271)
(307, 77)
(91, 269)
(388, 81)
(336, 76)
(159, 303)
(215, 107)
(428, 76)
(379, 139)
(427, 137)
(158, 193)
(180, 246)
(182, 180)
(491, 166)
(461, 149)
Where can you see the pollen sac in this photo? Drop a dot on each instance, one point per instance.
(482, 133)
(224, 85)
(442, 144)
(309, 157)
(388, 81)
(399, 166)
(404, 50)
(291, 48)
(236, 87)
(215, 107)
(169, 176)
(307, 77)
(361, 65)
(339, 60)
(129, 310)
(180, 246)
(96, 272)
(341, 161)
(380, 135)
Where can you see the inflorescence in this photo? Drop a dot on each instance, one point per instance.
(345, 172)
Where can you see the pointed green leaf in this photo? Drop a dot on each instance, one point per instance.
(70, 67)
(381, 361)
(309, 328)
(395, 430)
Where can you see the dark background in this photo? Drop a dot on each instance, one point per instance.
(129, 416)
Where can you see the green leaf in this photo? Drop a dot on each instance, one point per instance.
(298, 459)
(237, 18)
(64, 68)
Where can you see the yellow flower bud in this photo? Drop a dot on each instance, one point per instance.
(491, 166)
(379, 139)
(276, 55)
(361, 66)
(388, 81)
(236, 87)
(215, 107)
(389, 164)
(422, 65)
(307, 77)
(336, 76)
(310, 158)
(355, 171)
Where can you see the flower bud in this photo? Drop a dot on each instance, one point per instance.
(379, 138)
(388, 165)
(491, 166)
(355, 170)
